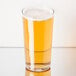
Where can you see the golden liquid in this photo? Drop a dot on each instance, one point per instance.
(42, 40)
(30, 73)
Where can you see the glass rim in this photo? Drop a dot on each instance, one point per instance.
(51, 10)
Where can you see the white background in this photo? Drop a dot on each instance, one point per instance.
(11, 27)
(11, 35)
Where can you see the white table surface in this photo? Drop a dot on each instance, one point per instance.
(12, 62)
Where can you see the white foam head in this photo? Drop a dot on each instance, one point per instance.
(37, 13)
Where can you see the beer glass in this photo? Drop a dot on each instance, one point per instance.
(38, 28)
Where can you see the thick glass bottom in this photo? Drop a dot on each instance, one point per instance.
(38, 67)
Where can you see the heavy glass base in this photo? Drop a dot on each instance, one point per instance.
(38, 67)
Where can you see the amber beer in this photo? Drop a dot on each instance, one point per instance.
(38, 27)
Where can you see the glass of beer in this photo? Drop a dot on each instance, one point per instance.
(38, 28)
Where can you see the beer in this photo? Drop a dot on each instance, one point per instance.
(38, 27)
